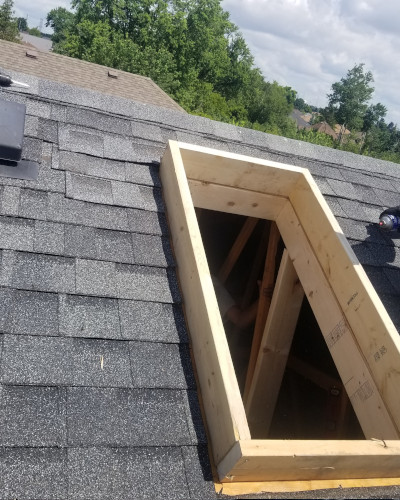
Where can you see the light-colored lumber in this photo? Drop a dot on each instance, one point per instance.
(237, 247)
(226, 419)
(235, 200)
(358, 331)
(230, 169)
(257, 460)
(364, 394)
(275, 346)
(256, 268)
(376, 335)
(264, 302)
(235, 489)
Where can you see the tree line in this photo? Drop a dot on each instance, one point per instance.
(192, 50)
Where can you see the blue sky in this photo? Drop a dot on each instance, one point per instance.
(306, 44)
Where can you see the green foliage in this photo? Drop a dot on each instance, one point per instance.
(34, 31)
(194, 52)
(301, 105)
(315, 137)
(8, 23)
(60, 20)
(188, 47)
(349, 97)
(22, 24)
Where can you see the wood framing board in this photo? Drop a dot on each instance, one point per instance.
(264, 302)
(371, 410)
(230, 169)
(376, 335)
(237, 248)
(235, 200)
(256, 266)
(275, 346)
(235, 489)
(226, 419)
(257, 460)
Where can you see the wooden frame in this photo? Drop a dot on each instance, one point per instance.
(358, 331)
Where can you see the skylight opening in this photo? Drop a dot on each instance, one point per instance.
(350, 316)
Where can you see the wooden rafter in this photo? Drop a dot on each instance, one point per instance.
(264, 302)
(237, 248)
(274, 350)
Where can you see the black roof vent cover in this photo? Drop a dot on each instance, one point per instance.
(12, 124)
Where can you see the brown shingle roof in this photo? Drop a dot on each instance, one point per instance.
(325, 128)
(84, 74)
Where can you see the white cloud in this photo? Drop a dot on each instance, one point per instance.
(310, 44)
(307, 44)
(37, 10)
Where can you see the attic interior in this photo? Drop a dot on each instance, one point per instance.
(312, 402)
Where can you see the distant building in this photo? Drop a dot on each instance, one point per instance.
(325, 128)
(297, 116)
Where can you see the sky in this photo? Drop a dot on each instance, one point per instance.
(306, 44)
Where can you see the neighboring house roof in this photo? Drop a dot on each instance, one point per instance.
(40, 43)
(97, 396)
(338, 128)
(324, 128)
(297, 116)
(63, 69)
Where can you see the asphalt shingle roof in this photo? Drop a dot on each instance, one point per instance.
(97, 393)
(67, 70)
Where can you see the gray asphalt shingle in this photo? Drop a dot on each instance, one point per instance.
(81, 140)
(65, 361)
(49, 238)
(16, 234)
(153, 473)
(97, 388)
(32, 271)
(28, 313)
(30, 473)
(101, 244)
(33, 416)
(31, 204)
(160, 365)
(152, 321)
(144, 283)
(93, 317)
(10, 200)
(61, 209)
(126, 417)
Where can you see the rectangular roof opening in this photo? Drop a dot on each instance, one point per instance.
(350, 317)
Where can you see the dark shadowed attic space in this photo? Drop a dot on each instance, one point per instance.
(98, 395)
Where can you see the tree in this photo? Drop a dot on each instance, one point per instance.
(188, 47)
(349, 98)
(372, 125)
(34, 32)
(60, 20)
(301, 105)
(8, 23)
(22, 24)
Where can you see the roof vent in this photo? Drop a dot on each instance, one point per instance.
(112, 74)
(32, 53)
(12, 123)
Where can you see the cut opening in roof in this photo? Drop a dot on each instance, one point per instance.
(351, 317)
(311, 402)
